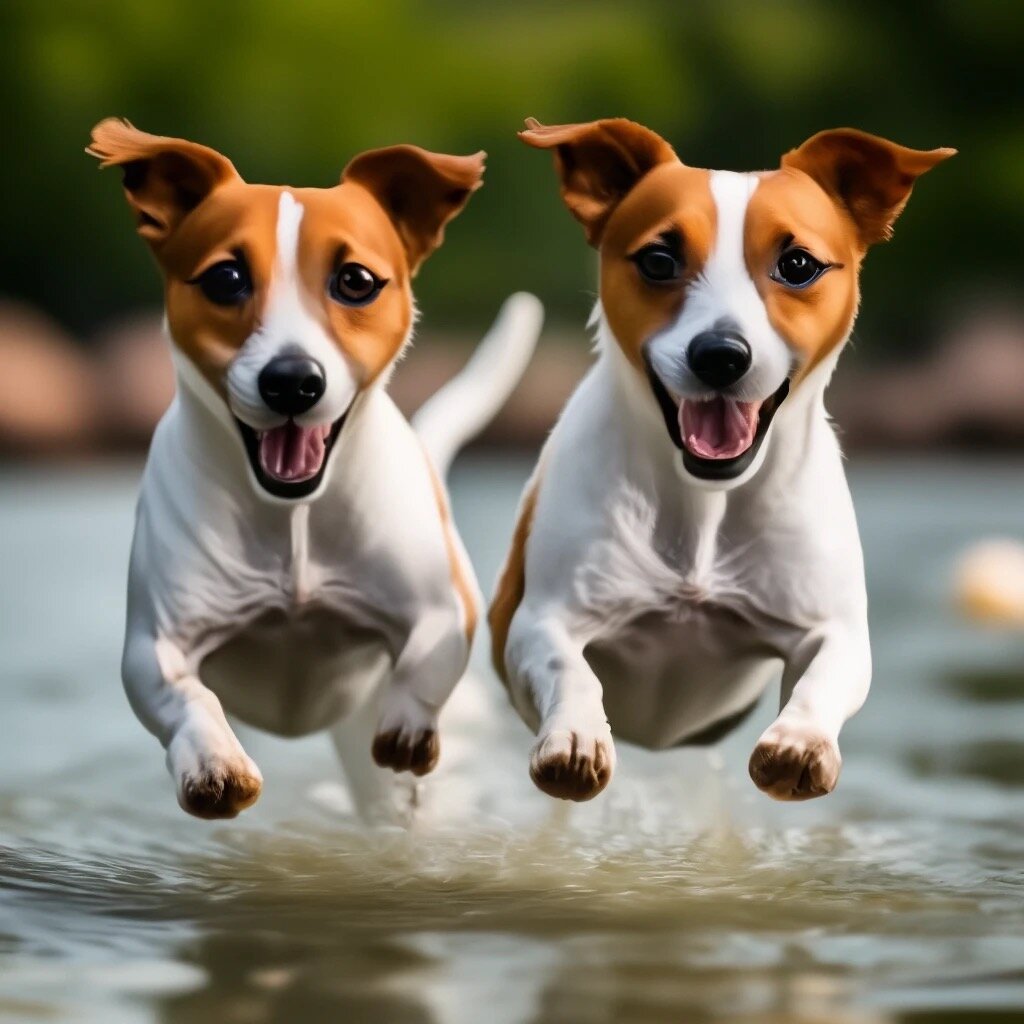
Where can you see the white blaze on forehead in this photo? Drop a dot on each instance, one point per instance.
(285, 307)
(726, 269)
(289, 219)
(288, 324)
(724, 291)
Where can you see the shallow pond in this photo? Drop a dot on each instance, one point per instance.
(680, 895)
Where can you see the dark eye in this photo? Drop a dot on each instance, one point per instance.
(658, 263)
(798, 268)
(226, 283)
(354, 285)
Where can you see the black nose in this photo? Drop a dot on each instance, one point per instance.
(719, 358)
(292, 385)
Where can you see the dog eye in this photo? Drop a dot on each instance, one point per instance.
(658, 263)
(226, 283)
(797, 268)
(354, 285)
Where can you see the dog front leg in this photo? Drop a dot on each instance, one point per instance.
(379, 796)
(214, 776)
(825, 681)
(557, 692)
(430, 664)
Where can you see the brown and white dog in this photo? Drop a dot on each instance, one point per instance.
(688, 531)
(294, 560)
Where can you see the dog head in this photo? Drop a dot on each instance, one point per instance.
(289, 302)
(723, 289)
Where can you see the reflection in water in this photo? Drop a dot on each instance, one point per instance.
(996, 761)
(282, 976)
(537, 924)
(681, 895)
(991, 686)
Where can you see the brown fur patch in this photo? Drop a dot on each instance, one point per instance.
(346, 224)
(164, 178)
(788, 208)
(388, 213)
(598, 163)
(404, 753)
(795, 768)
(671, 198)
(419, 190)
(339, 225)
(568, 772)
(870, 177)
(218, 793)
(835, 195)
(238, 218)
(460, 579)
(508, 594)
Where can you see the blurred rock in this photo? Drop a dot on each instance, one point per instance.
(46, 394)
(557, 365)
(970, 393)
(134, 379)
(57, 397)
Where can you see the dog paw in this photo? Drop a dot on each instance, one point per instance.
(219, 788)
(405, 750)
(572, 765)
(795, 763)
(406, 738)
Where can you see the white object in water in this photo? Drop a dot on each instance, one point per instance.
(989, 582)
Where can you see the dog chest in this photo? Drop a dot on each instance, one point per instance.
(670, 674)
(296, 672)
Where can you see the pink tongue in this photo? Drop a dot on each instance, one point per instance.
(291, 453)
(721, 428)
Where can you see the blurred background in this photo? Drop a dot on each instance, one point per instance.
(291, 91)
(682, 894)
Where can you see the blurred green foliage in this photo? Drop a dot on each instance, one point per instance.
(290, 91)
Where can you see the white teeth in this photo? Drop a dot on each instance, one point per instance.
(738, 414)
(292, 453)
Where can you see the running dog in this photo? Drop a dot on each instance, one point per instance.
(294, 561)
(688, 531)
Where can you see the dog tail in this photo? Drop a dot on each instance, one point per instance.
(468, 402)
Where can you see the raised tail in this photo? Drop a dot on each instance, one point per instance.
(469, 401)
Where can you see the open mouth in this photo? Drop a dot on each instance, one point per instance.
(289, 460)
(719, 437)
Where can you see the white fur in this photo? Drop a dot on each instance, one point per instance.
(689, 596)
(334, 612)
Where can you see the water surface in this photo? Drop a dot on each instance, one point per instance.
(681, 895)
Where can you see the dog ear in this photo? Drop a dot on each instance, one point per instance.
(420, 191)
(164, 179)
(598, 163)
(870, 177)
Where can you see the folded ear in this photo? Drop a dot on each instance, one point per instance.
(598, 163)
(164, 178)
(420, 191)
(871, 177)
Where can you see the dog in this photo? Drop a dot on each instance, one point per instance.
(294, 562)
(688, 530)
